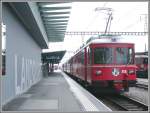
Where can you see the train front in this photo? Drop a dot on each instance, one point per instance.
(113, 66)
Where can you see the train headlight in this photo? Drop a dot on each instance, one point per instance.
(99, 72)
(131, 71)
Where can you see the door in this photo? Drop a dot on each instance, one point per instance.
(89, 62)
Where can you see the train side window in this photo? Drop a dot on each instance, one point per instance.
(88, 56)
(82, 56)
(137, 60)
(145, 61)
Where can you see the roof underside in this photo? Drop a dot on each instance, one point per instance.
(53, 57)
(55, 16)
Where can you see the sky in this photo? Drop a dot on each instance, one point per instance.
(127, 17)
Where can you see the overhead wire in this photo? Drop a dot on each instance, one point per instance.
(131, 25)
(95, 17)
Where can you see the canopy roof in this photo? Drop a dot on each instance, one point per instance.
(55, 16)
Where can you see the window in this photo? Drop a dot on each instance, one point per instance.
(90, 56)
(124, 55)
(3, 49)
(145, 61)
(121, 55)
(130, 56)
(82, 56)
(103, 56)
(138, 60)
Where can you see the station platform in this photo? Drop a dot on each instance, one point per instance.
(142, 81)
(56, 93)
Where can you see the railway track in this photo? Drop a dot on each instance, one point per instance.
(120, 102)
(143, 86)
(125, 103)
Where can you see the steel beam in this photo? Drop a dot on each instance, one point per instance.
(54, 13)
(53, 8)
(47, 20)
(56, 17)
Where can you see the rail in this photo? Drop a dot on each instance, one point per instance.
(127, 104)
(143, 86)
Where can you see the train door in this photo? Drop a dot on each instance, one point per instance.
(89, 66)
(85, 63)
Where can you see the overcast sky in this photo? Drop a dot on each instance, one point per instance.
(127, 17)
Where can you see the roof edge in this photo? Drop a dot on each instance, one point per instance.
(28, 14)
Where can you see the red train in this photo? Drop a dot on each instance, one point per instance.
(105, 63)
(141, 61)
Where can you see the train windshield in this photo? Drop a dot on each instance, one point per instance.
(103, 55)
(106, 56)
(141, 60)
(124, 55)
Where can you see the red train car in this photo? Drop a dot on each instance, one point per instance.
(104, 62)
(141, 61)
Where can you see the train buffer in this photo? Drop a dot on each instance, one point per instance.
(56, 93)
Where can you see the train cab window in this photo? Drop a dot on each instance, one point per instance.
(130, 56)
(124, 55)
(103, 56)
(121, 55)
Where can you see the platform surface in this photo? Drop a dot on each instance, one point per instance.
(57, 93)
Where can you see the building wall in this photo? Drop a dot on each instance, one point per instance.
(23, 58)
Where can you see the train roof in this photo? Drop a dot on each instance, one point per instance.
(139, 56)
(107, 39)
(104, 38)
(142, 53)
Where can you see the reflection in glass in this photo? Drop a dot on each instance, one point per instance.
(3, 49)
(103, 56)
(124, 55)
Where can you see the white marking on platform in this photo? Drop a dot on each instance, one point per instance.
(87, 104)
